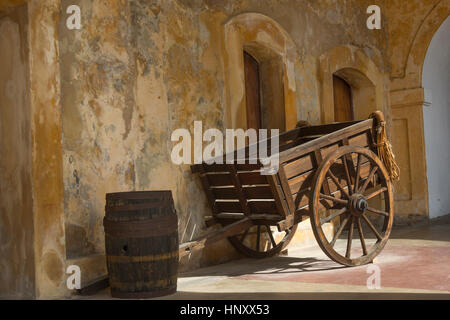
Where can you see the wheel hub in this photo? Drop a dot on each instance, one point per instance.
(358, 204)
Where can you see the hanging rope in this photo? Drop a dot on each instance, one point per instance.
(384, 147)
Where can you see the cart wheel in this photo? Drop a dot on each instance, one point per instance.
(352, 189)
(261, 241)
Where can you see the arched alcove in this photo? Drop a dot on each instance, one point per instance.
(360, 72)
(436, 118)
(407, 97)
(363, 92)
(265, 40)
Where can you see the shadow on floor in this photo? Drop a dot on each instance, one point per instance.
(271, 265)
(433, 230)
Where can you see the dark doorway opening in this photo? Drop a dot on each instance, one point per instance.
(252, 92)
(343, 106)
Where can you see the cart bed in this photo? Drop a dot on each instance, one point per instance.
(237, 190)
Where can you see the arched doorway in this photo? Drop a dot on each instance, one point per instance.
(257, 46)
(436, 118)
(352, 87)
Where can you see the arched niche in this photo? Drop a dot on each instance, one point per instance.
(360, 72)
(271, 46)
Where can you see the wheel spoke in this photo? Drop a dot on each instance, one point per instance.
(366, 183)
(383, 213)
(258, 237)
(372, 227)
(332, 216)
(361, 237)
(331, 198)
(336, 182)
(272, 240)
(374, 194)
(358, 170)
(338, 233)
(350, 238)
(347, 174)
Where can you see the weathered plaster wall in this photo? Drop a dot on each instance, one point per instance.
(9, 4)
(16, 214)
(48, 210)
(137, 70)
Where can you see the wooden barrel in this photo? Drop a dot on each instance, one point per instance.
(141, 240)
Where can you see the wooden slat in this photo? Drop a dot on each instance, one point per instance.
(329, 149)
(278, 195)
(300, 182)
(237, 216)
(286, 190)
(360, 140)
(268, 207)
(258, 192)
(298, 166)
(234, 216)
(221, 179)
(256, 207)
(349, 167)
(239, 191)
(318, 159)
(291, 144)
(252, 178)
(301, 198)
(250, 192)
(324, 141)
(216, 167)
(228, 206)
(226, 193)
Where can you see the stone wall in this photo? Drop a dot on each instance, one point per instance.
(16, 218)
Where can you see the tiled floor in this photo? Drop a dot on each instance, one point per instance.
(414, 264)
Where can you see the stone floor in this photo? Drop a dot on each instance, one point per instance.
(415, 264)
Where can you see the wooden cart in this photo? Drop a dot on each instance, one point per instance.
(328, 173)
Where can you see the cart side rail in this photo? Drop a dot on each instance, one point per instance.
(299, 164)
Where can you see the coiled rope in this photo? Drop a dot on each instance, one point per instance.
(384, 147)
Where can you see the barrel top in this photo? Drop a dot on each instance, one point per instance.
(158, 194)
